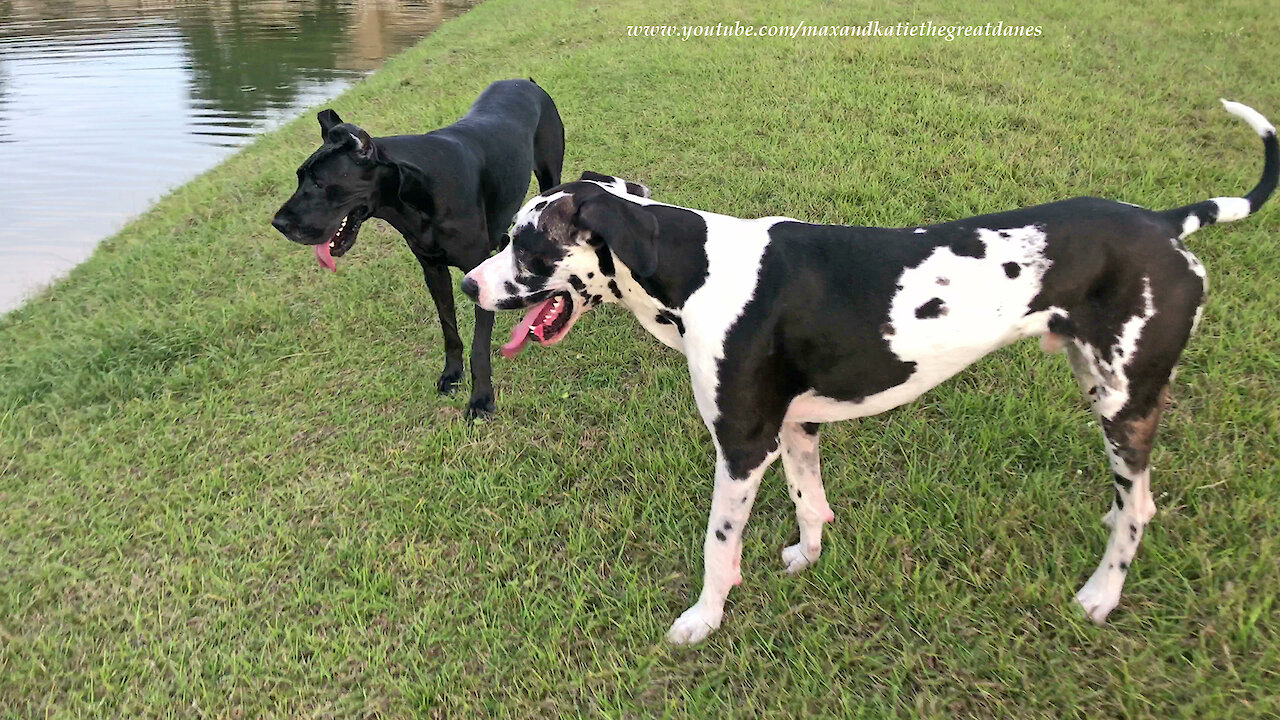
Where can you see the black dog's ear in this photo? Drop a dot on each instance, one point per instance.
(415, 189)
(362, 147)
(626, 229)
(328, 119)
(364, 144)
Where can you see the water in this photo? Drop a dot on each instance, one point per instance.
(106, 104)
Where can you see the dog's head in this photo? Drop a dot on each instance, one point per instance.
(337, 187)
(563, 255)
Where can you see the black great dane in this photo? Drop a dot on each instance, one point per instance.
(451, 193)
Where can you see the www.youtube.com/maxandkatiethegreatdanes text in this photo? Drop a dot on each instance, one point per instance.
(803, 29)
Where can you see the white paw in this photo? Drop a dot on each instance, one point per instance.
(1098, 598)
(795, 559)
(693, 625)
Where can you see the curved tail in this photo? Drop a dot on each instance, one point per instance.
(1225, 209)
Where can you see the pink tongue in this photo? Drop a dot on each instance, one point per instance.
(324, 258)
(520, 333)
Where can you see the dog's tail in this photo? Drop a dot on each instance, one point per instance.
(1225, 209)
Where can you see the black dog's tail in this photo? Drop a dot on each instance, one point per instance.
(1224, 209)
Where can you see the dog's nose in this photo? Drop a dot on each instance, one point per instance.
(470, 288)
(280, 223)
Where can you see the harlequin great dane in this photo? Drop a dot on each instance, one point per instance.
(787, 325)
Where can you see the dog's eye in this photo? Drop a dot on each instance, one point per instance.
(536, 265)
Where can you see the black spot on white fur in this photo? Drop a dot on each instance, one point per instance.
(932, 309)
(1062, 325)
(968, 245)
(604, 259)
(1012, 270)
(666, 317)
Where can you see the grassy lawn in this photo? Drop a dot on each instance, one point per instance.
(228, 488)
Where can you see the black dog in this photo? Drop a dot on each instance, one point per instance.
(451, 193)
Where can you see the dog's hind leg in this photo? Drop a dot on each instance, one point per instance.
(1125, 373)
(440, 285)
(804, 481)
(548, 146)
(1129, 440)
(547, 175)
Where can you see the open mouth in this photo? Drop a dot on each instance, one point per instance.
(547, 323)
(341, 240)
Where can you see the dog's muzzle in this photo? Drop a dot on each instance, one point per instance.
(471, 288)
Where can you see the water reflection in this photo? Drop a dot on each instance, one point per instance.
(105, 104)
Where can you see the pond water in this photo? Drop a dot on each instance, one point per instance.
(106, 104)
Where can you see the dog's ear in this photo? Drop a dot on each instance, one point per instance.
(328, 119)
(636, 188)
(415, 188)
(631, 188)
(353, 136)
(365, 150)
(624, 227)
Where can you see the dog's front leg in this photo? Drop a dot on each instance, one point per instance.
(722, 549)
(481, 403)
(441, 287)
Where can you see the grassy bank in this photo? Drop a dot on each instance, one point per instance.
(228, 489)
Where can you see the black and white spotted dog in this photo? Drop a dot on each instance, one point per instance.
(787, 325)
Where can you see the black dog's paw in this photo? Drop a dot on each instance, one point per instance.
(448, 381)
(480, 406)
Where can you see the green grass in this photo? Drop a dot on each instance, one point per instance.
(228, 489)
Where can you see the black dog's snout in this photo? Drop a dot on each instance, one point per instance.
(282, 223)
(470, 288)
